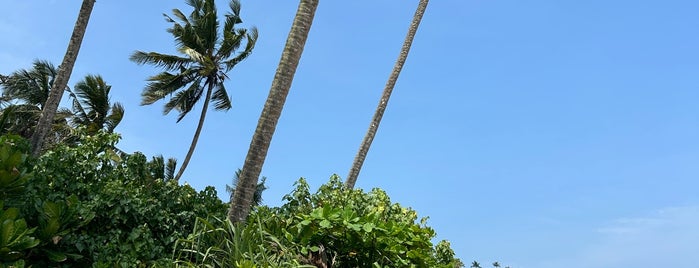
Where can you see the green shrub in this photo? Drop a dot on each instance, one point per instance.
(93, 207)
(339, 227)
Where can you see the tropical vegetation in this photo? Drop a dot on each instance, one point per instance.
(73, 199)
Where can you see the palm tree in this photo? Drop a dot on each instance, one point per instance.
(257, 196)
(30, 86)
(160, 169)
(475, 264)
(376, 120)
(24, 96)
(241, 198)
(496, 264)
(91, 105)
(49, 110)
(207, 57)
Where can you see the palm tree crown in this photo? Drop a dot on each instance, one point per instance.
(91, 105)
(24, 95)
(30, 86)
(206, 57)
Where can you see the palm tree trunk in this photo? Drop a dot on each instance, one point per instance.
(295, 42)
(195, 139)
(62, 77)
(388, 89)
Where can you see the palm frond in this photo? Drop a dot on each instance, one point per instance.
(207, 28)
(170, 168)
(79, 114)
(196, 4)
(30, 86)
(234, 5)
(220, 98)
(165, 61)
(259, 188)
(185, 100)
(231, 42)
(164, 84)
(194, 55)
(177, 13)
(5, 115)
(115, 117)
(93, 93)
(252, 39)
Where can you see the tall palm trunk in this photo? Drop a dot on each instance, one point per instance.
(195, 139)
(388, 89)
(62, 77)
(295, 42)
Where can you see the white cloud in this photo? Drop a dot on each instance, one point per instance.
(664, 238)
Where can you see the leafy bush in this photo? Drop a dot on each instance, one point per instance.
(86, 205)
(339, 227)
(91, 206)
(335, 227)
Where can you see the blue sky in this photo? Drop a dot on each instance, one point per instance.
(538, 133)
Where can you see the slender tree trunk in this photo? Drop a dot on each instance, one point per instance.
(62, 77)
(195, 139)
(242, 198)
(388, 89)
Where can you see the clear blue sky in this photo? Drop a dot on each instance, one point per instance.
(539, 133)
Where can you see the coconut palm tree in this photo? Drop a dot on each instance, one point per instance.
(160, 169)
(24, 94)
(91, 105)
(58, 86)
(257, 196)
(200, 71)
(383, 102)
(242, 197)
(30, 86)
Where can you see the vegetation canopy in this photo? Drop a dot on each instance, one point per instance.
(82, 202)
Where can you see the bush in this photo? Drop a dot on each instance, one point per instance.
(339, 227)
(94, 207)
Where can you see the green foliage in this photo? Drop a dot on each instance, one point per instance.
(89, 206)
(14, 173)
(85, 205)
(445, 254)
(24, 93)
(256, 196)
(335, 227)
(91, 106)
(15, 237)
(339, 227)
(224, 244)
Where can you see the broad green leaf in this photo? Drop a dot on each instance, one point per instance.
(55, 256)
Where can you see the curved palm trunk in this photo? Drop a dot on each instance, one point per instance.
(195, 139)
(62, 77)
(388, 89)
(243, 194)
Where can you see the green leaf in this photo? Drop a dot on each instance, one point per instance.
(325, 224)
(368, 227)
(55, 256)
(7, 231)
